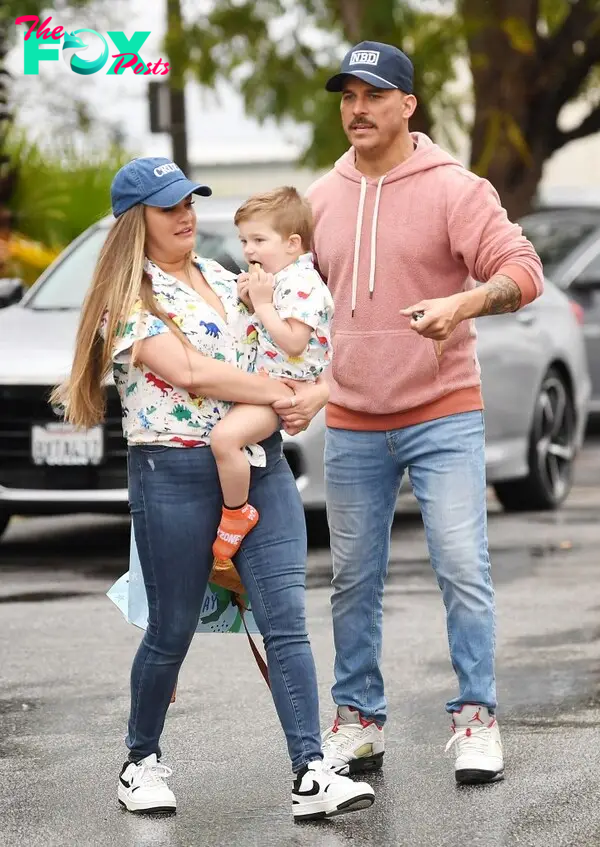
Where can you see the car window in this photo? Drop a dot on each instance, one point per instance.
(66, 286)
(555, 237)
(591, 274)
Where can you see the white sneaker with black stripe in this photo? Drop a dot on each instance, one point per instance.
(142, 787)
(319, 792)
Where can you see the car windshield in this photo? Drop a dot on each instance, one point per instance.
(66, 286)
(554, 237)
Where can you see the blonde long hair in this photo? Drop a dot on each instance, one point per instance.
(118, 283)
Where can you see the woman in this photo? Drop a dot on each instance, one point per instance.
(181, 347)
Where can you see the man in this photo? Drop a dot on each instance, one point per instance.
(402, 231)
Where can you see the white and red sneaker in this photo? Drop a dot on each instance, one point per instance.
(353, 744)
(477, 745)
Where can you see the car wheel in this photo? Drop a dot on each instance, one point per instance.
(4, 519)
(551, 452)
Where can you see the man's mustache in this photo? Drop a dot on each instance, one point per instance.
(355, 123)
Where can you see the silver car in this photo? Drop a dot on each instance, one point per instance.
(535, 378)
(567, 239)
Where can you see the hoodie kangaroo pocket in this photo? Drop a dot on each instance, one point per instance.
(384, 371)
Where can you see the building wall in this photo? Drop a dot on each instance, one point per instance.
(241, 179)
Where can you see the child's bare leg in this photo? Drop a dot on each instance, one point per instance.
(243, 425)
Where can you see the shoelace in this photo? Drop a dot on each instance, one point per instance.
(324, 775)
(150, 775)
(478, 738)
(341, 737)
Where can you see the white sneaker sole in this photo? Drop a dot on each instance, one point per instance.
(319, 809)
(152, 808)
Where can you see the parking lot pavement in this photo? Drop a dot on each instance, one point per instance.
(66, 653)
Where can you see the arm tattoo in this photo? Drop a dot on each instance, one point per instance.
(502, 294)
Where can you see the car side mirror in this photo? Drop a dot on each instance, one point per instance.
(11, 291)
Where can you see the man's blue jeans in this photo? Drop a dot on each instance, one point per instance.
(176, 506)
(363, 470)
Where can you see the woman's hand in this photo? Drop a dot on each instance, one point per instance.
(260, 286)
(298, 410)
(243, 282)
(282, 392)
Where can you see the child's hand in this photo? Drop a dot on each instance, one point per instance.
(242, 290)
(260, 286)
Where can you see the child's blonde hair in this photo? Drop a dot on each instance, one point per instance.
(288, 212)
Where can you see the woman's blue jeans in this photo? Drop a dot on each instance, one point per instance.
(175, 501)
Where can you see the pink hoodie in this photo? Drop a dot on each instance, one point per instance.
(426, 229)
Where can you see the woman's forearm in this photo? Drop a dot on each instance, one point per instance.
(321, 381)
(166, 356)
(226, 382)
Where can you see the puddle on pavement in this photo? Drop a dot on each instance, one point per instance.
(16, 705)
(586, 635)
(577, 516)
(566, 695)
(86, 565)
(507, 566)
(111, 554)
(43, 596)
(14, 714)
(540, 724)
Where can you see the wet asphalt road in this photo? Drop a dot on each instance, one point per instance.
(65, 656)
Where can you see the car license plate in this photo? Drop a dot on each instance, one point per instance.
(63, 444)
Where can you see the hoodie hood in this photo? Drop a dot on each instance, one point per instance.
(426, 156)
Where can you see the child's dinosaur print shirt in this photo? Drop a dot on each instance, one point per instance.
(155, 412)
(299, 293)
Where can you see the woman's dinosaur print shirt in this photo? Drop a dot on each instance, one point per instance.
(155, 412)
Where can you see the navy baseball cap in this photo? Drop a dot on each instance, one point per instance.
(153, 181)
(380, 65)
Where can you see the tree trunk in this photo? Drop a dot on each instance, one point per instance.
(421, 120)
(517, 198)
(176, 81)
(506, 146)
(521, 80)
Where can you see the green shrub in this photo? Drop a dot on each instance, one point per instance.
(60, 191)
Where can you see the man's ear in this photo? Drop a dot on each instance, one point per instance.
(410, 105)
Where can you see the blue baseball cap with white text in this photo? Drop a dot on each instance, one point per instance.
(379, 65)
(153, 181)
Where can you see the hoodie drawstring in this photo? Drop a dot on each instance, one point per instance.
(357, 237)
(374, 238)
(359, 220)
